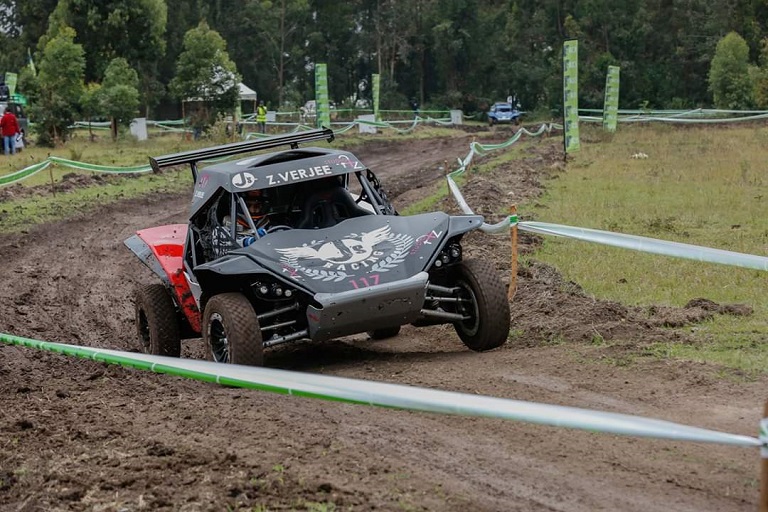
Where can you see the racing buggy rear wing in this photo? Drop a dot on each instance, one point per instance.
(235, 148)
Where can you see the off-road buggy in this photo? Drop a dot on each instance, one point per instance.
(329, 256)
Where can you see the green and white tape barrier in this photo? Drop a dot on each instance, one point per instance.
(99, 168)
(698, 115)
(476, 148)
(633, 242)
(650, 245)
(394, 395)
(24, 173)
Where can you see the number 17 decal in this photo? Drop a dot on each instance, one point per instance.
(363, 282)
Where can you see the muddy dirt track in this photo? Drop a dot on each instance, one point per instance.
(79, 435)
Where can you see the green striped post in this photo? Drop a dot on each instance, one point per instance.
(376, 90)
(571, 95)
(322, 105)
(611, 103)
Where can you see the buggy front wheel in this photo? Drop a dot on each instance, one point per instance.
(231, 330)
(484, 304)
(157, 322)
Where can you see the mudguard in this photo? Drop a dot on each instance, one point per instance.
(162, 250)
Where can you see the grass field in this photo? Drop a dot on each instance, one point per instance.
(699, 185)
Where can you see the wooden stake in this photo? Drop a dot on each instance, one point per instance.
(513, 264)
(764, 472)
(50, 173)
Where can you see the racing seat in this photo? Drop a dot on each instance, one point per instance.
(326, 208)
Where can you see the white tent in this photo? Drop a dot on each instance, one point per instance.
(246, 93)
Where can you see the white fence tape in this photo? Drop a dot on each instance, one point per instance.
(651, 245)
(698, 115)
(397, 395)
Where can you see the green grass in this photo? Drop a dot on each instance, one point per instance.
(704, 186)
(123, 153)
(22, 213)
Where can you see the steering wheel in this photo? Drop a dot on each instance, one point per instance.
(279, 227)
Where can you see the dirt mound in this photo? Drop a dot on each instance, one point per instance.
(554, 310)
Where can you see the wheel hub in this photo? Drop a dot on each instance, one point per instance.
(219, 343)
(144, 332)
(468, 307)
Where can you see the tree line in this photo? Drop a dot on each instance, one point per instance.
(446, 53)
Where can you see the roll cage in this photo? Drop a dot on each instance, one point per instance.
(216, 228)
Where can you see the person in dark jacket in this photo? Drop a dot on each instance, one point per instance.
(9, 128)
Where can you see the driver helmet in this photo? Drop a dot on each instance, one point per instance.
(258, 203)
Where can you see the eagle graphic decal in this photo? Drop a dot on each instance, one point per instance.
(375, 251)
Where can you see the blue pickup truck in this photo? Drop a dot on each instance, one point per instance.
(503, 113)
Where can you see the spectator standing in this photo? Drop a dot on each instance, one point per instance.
(5, 91)
(197, 120)
(261, 117)
(9, 128)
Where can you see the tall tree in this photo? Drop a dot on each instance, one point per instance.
(22, 22)
(119, 95)
(729, 78)
(760, 76)
(60, 79)
(186, 14)
(285, 19)
(269, 44)
(90, 104)
(334, 38)
(455, 32)
(388, 30)
(132, 29)
(205, 73)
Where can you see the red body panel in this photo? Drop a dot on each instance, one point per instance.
(167, 244)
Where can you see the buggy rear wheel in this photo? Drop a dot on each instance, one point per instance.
(485, 304)
(231, 330)
(157, 322)
(382, 334)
